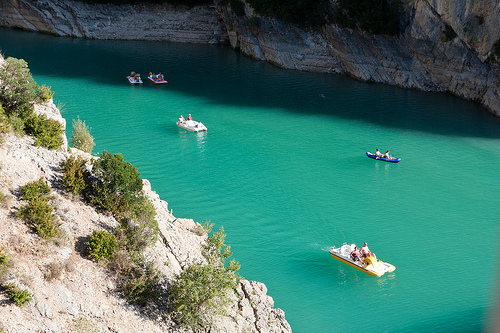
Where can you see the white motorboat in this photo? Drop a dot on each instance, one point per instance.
(370, 265)
(191, 125)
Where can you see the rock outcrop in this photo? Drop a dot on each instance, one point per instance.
(73, 293)
(423, 57)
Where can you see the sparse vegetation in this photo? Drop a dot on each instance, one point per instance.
(38, 213)
(18, 94)
(44, 93)
(16, 294)
(201, 291)
(374, 16)
(81, 138)
(48, 132)
(76, 176)
(117, 186)
(101, 245)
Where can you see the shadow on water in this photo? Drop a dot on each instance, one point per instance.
(225, 77)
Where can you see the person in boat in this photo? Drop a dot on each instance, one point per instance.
(365, 251)
(160, 76)
(378, 153)
(132, 74)
(189, 117)
(181, 119)
(355, 254)
(386, 155)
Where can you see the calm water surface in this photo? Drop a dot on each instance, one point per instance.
(283, 169)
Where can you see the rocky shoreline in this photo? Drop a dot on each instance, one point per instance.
(422, 57)
(73, 293)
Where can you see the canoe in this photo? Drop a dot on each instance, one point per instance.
(373, 266)
(156, 80)
(393, 160)
(134, 80)
(191, 125)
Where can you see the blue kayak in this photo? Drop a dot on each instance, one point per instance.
(393, 160)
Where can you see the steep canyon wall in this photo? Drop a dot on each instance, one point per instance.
(422, 57)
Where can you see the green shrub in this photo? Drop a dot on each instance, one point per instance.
(44, 93)
(35, 190)
(238, 7)
(81, 138)
(39, 214)
(118, 185)
(48, 132)
(200, 292)
(374, 16)
(18, 88)
(17, 125)
(76, 176)
(307, 13)
(142, 281)
(101, 245)
(16, 294)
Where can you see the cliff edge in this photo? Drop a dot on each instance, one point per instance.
(71, 292)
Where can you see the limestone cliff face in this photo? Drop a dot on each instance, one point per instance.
(72, 293)
(422, 57)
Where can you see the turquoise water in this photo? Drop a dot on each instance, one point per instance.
(283, 169)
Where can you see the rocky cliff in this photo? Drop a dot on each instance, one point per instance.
(73, 293)
(423, 57)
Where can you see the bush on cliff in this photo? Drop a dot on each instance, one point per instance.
(38, 213)
(76, 176)
(374, 16)
(18, 88)
(101, 245)
(117, 186)
(16, 294)
(48, 132)
(305, 13)
(81, 138)
(202, 291)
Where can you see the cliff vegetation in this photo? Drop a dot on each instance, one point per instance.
(88, 247)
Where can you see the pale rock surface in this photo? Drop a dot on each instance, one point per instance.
(73, 293)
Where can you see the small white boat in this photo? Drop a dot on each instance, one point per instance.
(370, 265)
(191, 125)
(134, 79)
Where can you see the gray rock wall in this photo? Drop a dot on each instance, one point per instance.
(420, 58)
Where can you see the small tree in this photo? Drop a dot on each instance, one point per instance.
(201, 291)
(18, 88)
(118, 184)
(76, 176)
(81, 138)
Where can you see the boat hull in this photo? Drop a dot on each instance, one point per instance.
(132, 80)
(375, 157)
(155, 81)
(377, 269)
(194, 126)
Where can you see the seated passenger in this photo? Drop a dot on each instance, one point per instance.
(365, 251)
(189, 117)
(355, 254)
(181, 119)
(386, 155)
(378, 153)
